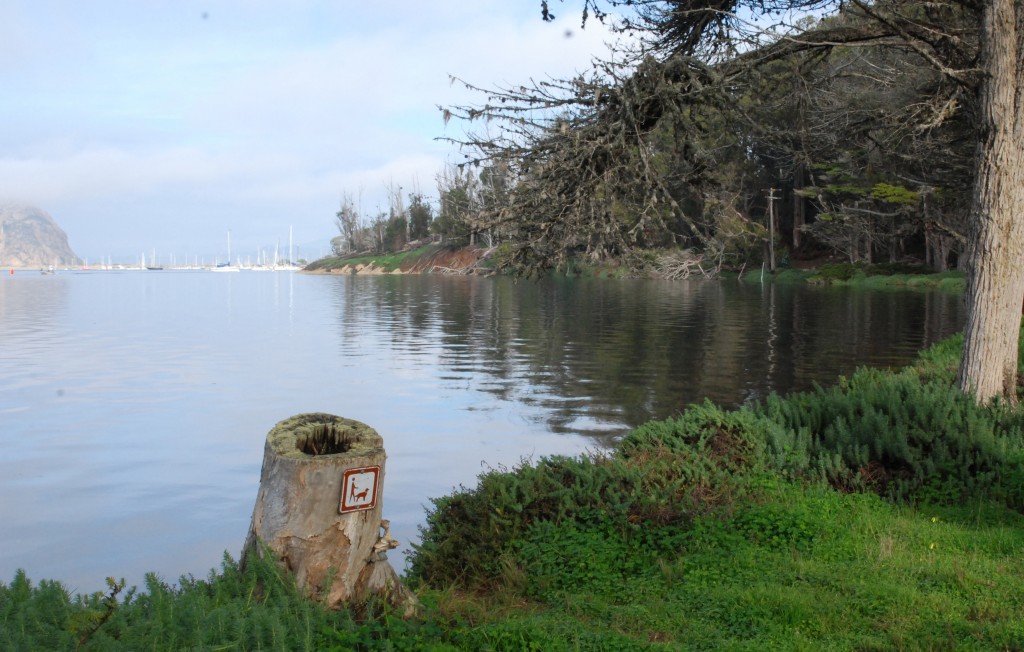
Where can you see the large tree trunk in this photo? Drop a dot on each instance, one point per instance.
(995, 256)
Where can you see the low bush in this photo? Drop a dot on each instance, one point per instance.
(753, 528)
(839, 271)
(887, 275)
(664, 474)
(879, 431)
(906, 440)
(258, 608)
(791, 275)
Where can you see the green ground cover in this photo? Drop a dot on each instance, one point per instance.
(388, 262)
(883, 512)
(882, 276)
(860, 275)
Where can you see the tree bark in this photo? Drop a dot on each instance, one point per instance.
(318, 510)
(940, 256)
(995, 256)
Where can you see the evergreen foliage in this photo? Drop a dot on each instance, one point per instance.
(772, 557)
(906, 440)
(769, 481)
(711, 132)
(258, 608)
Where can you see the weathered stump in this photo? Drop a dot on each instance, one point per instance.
(319, 510)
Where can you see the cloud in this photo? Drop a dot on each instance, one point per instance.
(155, 110)
(103, 172)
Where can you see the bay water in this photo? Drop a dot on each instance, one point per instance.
(134, 404)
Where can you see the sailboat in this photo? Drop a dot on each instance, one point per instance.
(226, 267)
(290, 266)
(153, 265)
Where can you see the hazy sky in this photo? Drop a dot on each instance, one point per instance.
(159, 125)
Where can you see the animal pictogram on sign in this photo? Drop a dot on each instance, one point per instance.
(358, 497)
(359, 489)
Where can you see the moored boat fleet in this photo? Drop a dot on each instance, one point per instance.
(263, 263)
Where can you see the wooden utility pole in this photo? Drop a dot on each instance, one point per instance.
(771, 229)
(799, 216)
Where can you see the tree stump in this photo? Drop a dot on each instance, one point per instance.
(319, 510)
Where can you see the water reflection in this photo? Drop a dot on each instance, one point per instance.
(597, 356)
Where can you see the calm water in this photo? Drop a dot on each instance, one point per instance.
(134, 405)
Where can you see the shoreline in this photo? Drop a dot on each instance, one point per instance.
(787, 551)
(440, 259)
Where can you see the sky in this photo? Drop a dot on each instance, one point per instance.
(174, 127)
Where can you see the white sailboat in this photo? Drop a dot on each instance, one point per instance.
(290, 266)
(226, 267)
(152, 262)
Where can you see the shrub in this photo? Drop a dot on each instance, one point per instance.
(907, 440)
(664, 474)
(258, 608)
(35, 617)
(889, 433)
(839, 271)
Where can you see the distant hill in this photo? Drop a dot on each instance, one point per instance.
(29, 237)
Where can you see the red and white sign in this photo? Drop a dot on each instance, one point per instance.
(359, 489)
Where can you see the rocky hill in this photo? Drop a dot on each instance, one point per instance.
(29, 237)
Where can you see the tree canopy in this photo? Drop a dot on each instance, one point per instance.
(728, 133)
(872, 118)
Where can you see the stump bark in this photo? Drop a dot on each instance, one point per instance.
(319, 509)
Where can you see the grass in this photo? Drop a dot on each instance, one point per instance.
(387, 262)
(883, 513)
(886, 276)
(808, 568)
(953, 281)
(873, 277)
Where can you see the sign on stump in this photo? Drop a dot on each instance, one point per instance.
(318, 510)
(359, 489)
